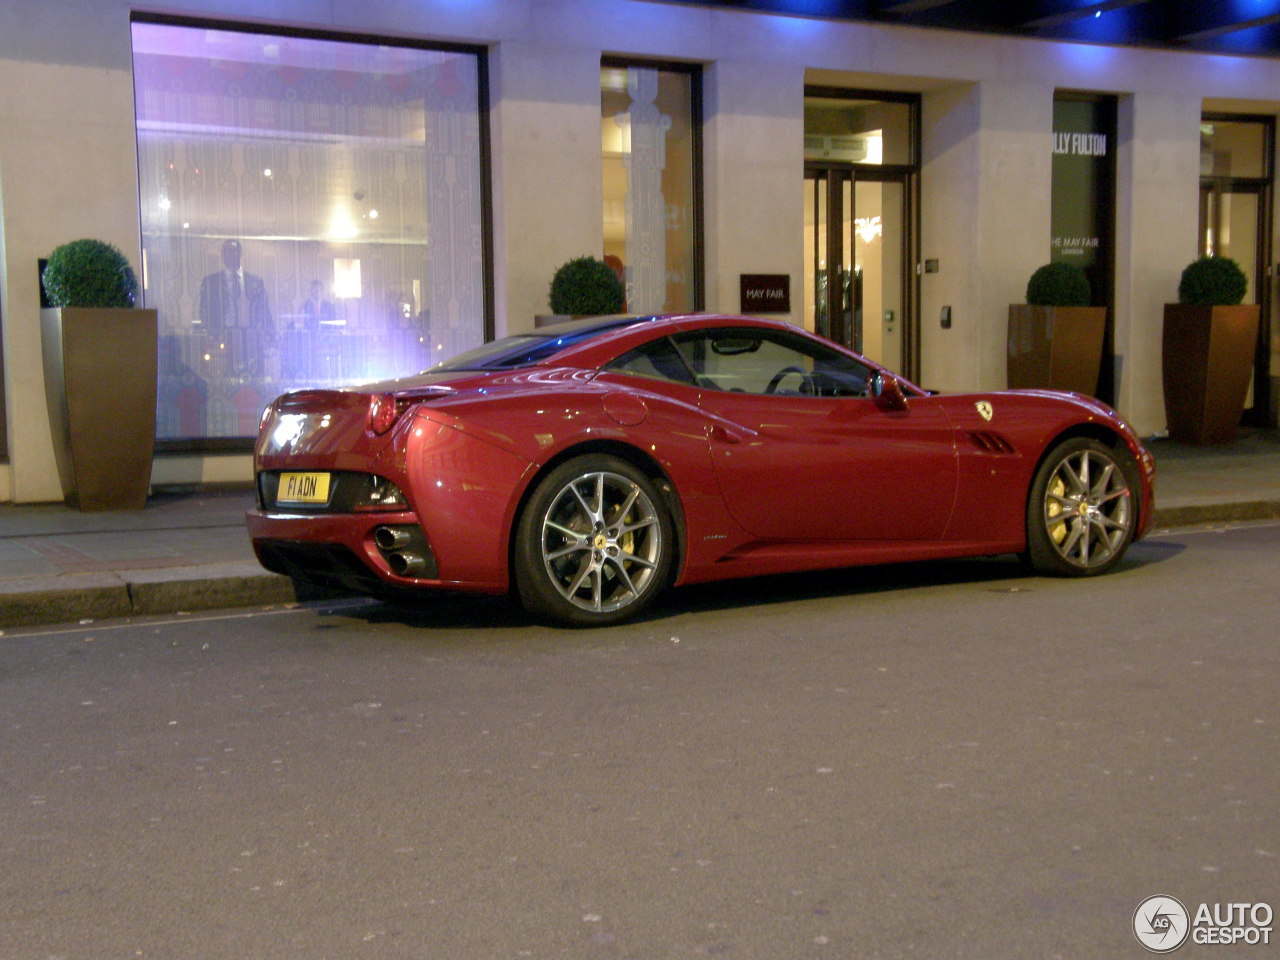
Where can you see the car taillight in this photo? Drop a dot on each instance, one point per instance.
(266, 415)
(383, 411)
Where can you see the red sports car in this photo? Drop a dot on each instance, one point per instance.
(587, 466)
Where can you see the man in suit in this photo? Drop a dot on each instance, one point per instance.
(234, 312)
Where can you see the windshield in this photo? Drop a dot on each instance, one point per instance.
(526, 349)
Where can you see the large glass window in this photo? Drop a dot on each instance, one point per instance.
(649, 141)
(311, 215)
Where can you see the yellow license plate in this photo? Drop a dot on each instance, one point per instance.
(303, 488)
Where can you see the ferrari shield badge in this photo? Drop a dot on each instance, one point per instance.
(984, 409)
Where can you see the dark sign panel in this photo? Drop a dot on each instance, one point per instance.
(1083, 216)
(1082, 165)
(765, 293)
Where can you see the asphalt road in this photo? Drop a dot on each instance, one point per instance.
(938, 761)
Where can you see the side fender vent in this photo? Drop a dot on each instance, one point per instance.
(989, 442)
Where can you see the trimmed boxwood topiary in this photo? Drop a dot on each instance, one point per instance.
(586, 286)
(1213, 281)
(89, 273)
(1059, 285)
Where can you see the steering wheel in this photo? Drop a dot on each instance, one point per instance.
(807, 385)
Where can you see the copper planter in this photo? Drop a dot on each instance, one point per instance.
(100, 387)
(1055, 348)
(1207, 364)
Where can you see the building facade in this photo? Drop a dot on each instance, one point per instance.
(328, 193)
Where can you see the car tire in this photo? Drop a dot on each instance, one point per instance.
(593, 544)
(1082, 509)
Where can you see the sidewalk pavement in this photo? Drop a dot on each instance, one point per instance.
(188, 550)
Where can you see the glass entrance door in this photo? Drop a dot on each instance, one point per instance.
(858, 287)
(1235, 221)
(1231, 225)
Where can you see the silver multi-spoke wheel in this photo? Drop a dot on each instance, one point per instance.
(598, 536)
(601, 541)
(1083, 510)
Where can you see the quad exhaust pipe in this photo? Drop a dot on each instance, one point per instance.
(406, 550)
(406, 563)
(392, 538)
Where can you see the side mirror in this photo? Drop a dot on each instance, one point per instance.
(888, 392)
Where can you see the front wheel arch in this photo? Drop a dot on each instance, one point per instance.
(1103, 435)
(1084, 505)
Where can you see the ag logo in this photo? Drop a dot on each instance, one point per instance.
(1161, 924)
(985, 410)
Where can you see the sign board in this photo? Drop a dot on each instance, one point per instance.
(1082, 175)
(765, 293)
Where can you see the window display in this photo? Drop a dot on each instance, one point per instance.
(311, 215)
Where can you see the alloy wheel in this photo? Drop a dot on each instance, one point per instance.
(1088, 508)
(601, 541)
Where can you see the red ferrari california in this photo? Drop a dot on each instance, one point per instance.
(586, 467)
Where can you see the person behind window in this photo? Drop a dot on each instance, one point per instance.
(316, 309)
(234, 310)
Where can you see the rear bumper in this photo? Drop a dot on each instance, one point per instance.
(339, 551)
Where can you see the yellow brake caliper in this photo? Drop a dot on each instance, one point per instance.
(1057, 527)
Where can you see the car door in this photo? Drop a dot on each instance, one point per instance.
(802, 451)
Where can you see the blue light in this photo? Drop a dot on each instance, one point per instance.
(798, 24)
(1118, 26)
(1087, 57)
(1260, 39)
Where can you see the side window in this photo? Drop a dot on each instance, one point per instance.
(752, 360)
(657, 360)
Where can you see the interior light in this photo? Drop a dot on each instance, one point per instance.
(341, 224)
(868, 228)
(346, 278)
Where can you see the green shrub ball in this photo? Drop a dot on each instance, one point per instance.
(89, 273)
(586, 287)
(1059, 285)
(1213, 281)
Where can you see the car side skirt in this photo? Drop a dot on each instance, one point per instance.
(773, 557)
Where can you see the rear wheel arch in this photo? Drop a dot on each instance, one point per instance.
(594, 542)
(642, 461)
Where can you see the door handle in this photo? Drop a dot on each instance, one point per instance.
(725, 435)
